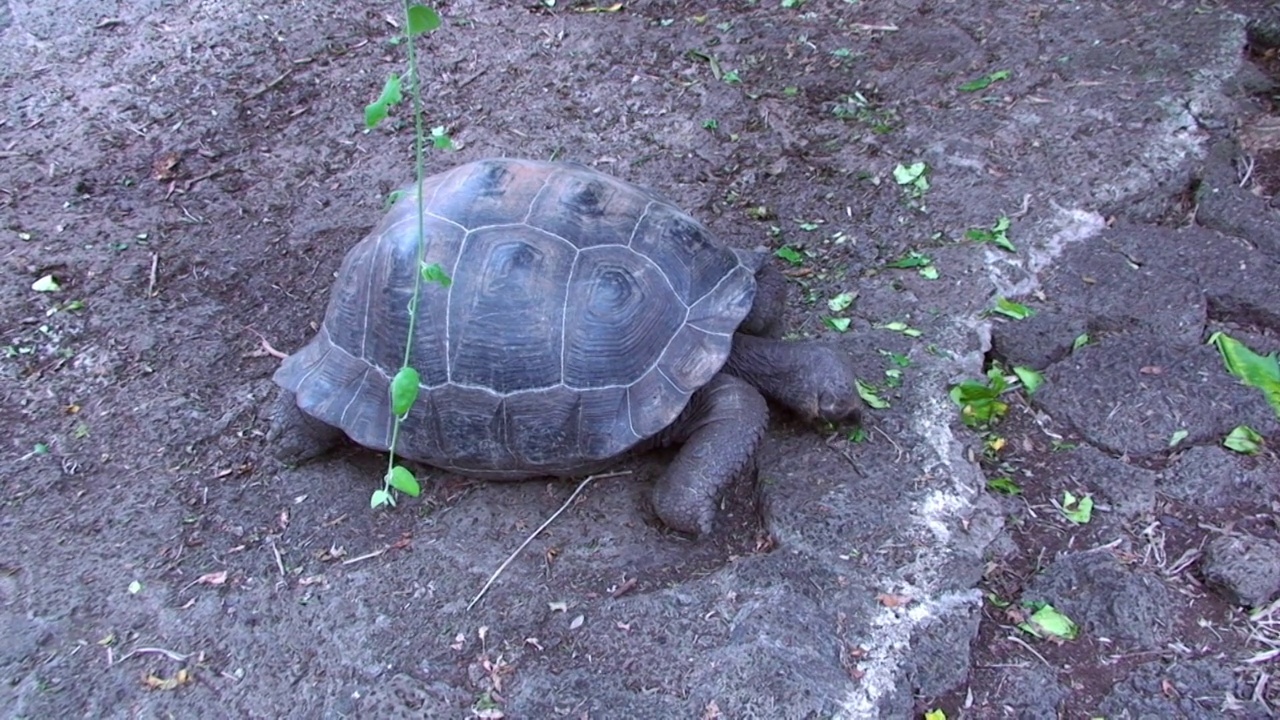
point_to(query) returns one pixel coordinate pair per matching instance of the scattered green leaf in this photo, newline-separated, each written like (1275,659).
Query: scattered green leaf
(1257,371)
(46,284)
(1081,340)
(1077,510)
(841,302)
(869,396)
(1004,486)
(935,715)
(1047,622)
(912,260)
(998,235)
(979,402)
(1009,308)
(901,327)
(1031,380)
(914,178)
(789,254)
(1244,439)
(1177,437)
(984,82)
(710,124)
(440,139)
(897,358)
(839,324)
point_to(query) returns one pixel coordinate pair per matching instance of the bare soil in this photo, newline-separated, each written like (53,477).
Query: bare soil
(191,174)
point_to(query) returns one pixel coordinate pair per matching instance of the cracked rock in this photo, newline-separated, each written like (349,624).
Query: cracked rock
(1244,568)
(1105,598)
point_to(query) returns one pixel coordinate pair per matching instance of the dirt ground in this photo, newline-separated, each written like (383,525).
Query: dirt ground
(190,175)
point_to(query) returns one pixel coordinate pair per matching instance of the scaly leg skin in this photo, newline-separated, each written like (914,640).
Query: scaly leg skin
(765,318)
(720,430)
(296,437)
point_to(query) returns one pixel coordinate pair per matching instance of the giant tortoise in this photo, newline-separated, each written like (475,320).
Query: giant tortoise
(587,317)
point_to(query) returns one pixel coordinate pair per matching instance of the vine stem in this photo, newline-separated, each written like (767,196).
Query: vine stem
(415,92)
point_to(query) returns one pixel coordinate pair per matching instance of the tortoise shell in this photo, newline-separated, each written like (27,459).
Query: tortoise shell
(582,314)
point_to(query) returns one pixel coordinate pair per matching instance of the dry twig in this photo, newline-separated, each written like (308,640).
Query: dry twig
(535,533)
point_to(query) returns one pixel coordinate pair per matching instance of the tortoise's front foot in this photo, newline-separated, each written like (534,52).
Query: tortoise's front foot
(720,430)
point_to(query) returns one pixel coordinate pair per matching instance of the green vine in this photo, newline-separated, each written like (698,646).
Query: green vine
(406,383)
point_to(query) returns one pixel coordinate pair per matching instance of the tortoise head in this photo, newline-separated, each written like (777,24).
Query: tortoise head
(814,379)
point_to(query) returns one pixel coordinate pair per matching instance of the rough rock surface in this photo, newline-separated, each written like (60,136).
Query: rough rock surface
(1246,568)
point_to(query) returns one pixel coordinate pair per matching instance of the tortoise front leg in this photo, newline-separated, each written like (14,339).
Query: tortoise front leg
(720,430)
(765,318)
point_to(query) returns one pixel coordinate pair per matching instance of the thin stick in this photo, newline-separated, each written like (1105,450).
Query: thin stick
(174,656)
(151,283)
(365,556)
(1029,649)
(535,534)
(271,85)
(279,562)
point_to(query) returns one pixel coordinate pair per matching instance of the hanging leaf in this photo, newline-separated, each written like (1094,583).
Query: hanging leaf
(380,498)
(401,479)
(422,20)
(376,111)
(404,390)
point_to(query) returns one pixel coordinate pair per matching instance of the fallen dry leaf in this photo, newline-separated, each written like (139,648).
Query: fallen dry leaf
(213,578)
(166,166)
(155,682)
(893,601)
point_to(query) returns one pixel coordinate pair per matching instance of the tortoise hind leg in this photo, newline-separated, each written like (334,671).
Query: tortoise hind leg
(720,429)
(295,436)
